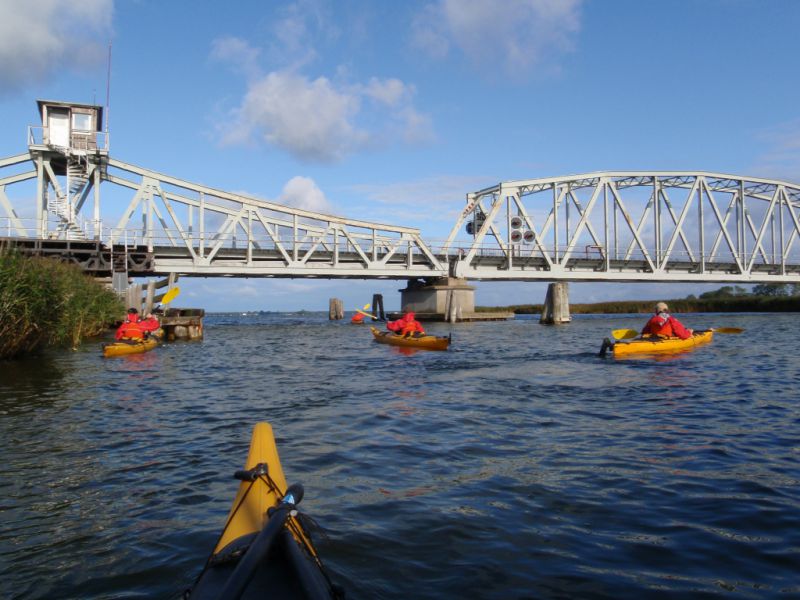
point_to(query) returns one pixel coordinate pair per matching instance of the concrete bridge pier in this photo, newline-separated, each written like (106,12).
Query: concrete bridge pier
(556,305)
(449,299)
(441,299)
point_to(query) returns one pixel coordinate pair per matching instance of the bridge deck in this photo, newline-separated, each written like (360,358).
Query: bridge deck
(100,260)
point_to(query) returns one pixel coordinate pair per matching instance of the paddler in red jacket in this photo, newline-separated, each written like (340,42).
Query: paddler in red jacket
(134,328)
(663,323)
(406,325)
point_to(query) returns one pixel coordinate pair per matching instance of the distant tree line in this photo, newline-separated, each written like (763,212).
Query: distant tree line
(766,297)
(765,290)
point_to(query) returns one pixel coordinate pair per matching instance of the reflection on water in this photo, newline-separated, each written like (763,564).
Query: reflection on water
(517,463)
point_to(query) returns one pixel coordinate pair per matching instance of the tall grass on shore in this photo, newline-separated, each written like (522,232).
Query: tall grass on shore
(45,302)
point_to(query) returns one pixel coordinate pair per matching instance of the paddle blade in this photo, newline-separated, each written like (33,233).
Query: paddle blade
(624,334)
(170,295)
(728,330)
(366,306)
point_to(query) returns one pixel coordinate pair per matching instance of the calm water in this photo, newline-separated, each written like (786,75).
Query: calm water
(518,464)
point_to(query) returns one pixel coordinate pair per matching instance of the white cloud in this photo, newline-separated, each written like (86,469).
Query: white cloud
(310,119)
(39,38)
(301,22)
(388,91)
(514,35)
(317,120)
(238,53)
(302,192)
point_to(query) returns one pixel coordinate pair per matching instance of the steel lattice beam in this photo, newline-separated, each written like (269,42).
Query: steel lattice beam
(631,226)
(606,226)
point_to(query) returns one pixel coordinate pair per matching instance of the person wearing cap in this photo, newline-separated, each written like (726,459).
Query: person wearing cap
(663,323)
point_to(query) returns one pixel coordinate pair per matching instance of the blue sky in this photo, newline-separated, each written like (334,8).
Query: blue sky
(393,111)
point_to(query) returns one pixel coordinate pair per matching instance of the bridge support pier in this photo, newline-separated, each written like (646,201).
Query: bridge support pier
(449,299)
(442,299)
(556,305)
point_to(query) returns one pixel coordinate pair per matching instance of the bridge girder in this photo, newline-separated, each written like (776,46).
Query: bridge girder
(605,226)
(206,224)
(631,226)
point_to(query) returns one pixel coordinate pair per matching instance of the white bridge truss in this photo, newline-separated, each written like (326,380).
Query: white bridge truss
(606,226)
(631,226)
(192,229)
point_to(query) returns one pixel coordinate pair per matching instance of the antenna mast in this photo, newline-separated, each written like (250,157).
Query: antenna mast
(108,90)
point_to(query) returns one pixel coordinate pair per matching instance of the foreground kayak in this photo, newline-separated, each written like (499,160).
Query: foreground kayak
(264,550)
(657,345)
(428,342)
(131,347)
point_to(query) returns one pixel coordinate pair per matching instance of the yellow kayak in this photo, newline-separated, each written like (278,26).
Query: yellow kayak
(428,342)
(264,551)
(129,347)
(657,345)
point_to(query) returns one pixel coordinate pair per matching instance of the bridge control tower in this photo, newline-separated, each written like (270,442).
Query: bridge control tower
(70,150)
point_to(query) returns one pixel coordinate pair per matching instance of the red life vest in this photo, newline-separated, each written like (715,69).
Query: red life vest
(130,330)
(406,325)
(666,325)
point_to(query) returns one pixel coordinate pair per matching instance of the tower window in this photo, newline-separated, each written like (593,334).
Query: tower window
(81,122)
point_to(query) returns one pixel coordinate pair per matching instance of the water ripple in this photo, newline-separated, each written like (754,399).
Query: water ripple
(518,464)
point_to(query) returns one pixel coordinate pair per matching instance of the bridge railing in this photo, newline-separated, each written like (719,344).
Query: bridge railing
(89,140)
(29,227)
(137,238)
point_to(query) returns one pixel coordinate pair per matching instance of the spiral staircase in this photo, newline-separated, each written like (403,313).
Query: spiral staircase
(62,204)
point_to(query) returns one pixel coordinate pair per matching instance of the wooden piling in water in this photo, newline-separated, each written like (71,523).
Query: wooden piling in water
(335,309)
(377,307)
(183,323)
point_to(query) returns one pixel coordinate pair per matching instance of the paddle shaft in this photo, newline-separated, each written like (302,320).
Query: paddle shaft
(249,563)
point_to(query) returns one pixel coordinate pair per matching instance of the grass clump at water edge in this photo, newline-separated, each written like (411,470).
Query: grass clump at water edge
(45,302)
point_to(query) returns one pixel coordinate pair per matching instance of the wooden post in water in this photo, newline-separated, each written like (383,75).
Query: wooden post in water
(133,297)
(377,307)
(151,293)
(335,309)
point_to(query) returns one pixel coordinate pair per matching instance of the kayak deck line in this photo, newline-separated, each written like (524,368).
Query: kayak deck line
(655,344)
(264,549)
(427,342)
(125,347)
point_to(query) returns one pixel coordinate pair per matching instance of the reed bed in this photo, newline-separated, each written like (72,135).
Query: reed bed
(45,302)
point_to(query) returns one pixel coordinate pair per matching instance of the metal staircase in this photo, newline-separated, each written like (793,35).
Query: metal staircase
(62,204)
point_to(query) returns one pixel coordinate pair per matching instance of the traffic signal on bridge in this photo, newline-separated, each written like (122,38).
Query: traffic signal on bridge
(518,231)
(474,226)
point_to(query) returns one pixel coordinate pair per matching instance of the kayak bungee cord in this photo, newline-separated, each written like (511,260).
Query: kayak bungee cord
(293,524)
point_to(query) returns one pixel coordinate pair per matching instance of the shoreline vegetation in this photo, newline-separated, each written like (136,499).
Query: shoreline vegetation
(763,298)
(44,302)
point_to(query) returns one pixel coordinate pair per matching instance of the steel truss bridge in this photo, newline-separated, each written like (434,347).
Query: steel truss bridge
(632,226)
(606,226)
